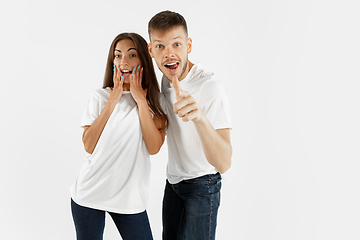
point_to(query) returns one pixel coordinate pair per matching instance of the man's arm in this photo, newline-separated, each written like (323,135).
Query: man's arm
(216,143)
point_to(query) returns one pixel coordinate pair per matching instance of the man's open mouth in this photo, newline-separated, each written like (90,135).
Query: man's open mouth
(172,66)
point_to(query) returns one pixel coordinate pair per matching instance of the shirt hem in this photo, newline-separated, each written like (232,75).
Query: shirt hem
(222,127)
(177,179)
(108,209)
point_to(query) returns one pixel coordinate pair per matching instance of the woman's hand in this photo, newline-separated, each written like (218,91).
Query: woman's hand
(152,127)
(92,133)
(117,91)
(137,92)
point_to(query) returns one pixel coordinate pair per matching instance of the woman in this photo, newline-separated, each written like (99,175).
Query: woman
(123,124)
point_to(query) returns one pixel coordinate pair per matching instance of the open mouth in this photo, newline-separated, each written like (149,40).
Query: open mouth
(126,73)
(172,66)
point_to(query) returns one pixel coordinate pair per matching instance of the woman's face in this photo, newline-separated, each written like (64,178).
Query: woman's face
(126,58)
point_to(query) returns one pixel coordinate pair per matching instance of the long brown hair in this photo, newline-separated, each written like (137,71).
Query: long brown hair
(149,80)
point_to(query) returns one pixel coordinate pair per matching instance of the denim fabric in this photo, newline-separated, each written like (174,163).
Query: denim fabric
(90,223)
(190,208)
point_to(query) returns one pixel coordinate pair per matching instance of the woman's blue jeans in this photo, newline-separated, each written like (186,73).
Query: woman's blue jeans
(90,224)
(190,208)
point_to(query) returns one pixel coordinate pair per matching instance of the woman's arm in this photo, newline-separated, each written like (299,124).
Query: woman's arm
(153,129)
(92,133)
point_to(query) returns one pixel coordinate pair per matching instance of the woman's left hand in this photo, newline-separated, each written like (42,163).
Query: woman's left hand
(137,92)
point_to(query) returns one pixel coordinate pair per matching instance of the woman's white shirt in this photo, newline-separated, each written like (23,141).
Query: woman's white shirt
(115,177)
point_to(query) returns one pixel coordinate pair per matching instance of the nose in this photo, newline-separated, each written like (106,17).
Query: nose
(124,62)
(169,53)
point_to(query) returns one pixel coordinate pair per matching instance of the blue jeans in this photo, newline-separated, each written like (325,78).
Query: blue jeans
(190,208)
(90,224)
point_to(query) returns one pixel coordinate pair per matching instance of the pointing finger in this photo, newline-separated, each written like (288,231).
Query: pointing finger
(176,84)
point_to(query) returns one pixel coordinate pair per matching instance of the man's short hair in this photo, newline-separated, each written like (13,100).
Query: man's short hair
(166,20)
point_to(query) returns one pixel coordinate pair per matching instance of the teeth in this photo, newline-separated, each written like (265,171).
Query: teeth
(170,64)
(126,71)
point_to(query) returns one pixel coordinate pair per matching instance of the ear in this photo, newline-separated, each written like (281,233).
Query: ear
(189,45)
(150,50)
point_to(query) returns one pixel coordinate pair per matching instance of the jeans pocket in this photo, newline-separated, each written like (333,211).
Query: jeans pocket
(215,186)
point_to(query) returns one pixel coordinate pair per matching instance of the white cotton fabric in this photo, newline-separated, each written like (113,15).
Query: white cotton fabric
(186,156)
(115,177)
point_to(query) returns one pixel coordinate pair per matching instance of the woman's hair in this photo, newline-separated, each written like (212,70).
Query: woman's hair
(149,80)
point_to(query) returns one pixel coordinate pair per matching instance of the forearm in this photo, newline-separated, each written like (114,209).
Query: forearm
(153,136)
(92,133)
(216,144)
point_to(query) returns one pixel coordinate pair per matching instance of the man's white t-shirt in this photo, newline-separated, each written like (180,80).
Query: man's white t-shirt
(115,177)
(186,156)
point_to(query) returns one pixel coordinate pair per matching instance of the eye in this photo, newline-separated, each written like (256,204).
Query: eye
(159,46)
(133,55)
(117,55)
(177,44)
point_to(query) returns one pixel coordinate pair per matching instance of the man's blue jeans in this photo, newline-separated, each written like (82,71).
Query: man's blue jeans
(190,208)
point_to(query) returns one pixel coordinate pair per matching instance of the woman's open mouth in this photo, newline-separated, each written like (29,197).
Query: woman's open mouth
(126,73)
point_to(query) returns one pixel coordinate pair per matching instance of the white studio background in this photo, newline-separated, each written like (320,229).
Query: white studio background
(290,69)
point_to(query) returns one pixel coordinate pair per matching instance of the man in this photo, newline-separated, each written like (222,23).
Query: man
(198,135)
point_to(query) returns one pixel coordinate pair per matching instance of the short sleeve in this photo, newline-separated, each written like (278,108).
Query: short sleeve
(92,111)
(215,105)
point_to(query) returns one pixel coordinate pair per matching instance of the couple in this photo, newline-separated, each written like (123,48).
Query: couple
(126,121)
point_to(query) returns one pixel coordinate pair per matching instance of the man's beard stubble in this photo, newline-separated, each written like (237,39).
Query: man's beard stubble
(184,68)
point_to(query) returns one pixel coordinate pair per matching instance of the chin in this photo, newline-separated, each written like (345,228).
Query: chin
(170,76)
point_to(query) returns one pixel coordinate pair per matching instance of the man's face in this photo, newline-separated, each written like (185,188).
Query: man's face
(170,50)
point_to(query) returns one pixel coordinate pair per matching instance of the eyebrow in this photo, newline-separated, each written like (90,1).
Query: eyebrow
(156,40)
(127,50)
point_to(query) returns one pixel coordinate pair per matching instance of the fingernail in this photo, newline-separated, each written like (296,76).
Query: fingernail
(107,88)
(131,75)
(122,77)
(134,68)
(114,68)
(139,67)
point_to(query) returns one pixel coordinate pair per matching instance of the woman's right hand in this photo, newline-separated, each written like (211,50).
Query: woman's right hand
(117,91)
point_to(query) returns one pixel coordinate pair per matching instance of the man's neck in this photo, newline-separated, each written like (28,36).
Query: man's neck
(187,70)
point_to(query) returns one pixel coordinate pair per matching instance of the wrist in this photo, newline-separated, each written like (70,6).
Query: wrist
(144,110)
(142,103)
(201,119)
(112,103)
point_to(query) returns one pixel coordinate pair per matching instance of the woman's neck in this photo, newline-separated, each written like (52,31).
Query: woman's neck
(126,86)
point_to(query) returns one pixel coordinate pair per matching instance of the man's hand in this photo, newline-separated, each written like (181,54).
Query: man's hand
(186,107)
